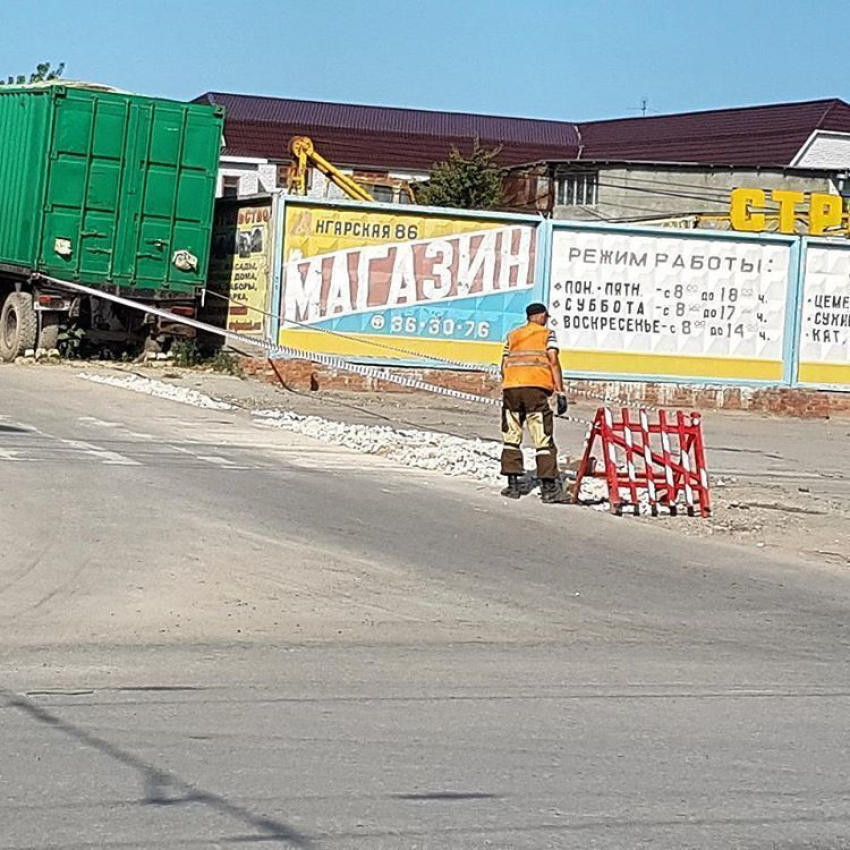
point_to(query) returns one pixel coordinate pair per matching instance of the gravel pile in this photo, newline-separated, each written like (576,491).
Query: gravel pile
(159,389)
(476,459)
(456,456)
(594,491)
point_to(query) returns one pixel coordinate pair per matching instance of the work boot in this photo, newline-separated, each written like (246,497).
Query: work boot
(512,491)
(550,491)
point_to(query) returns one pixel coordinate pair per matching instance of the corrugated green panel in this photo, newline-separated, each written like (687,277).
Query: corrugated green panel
(119,187)
(24,126)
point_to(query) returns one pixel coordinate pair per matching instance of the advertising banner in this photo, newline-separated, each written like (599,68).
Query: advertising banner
(239,267)
(648,305)
(400,286)
(825,326)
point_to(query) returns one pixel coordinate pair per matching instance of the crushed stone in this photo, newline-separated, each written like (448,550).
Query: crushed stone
(159,389)
(477,459)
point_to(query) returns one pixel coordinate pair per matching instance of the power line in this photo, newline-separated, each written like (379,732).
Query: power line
(689,196)
(706,196)
(661,193)
(676,185)
(656,213)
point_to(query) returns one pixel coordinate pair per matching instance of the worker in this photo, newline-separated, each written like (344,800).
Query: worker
(531,373)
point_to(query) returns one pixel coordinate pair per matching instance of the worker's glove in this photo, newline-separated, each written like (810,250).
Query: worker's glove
(561,403)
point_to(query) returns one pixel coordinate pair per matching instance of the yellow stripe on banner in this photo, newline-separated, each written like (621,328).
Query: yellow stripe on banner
(825,373)
(385,347)
(490,353)
(673,365)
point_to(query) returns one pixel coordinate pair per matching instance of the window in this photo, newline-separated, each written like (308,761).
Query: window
(580,188)
(230,185)
(383,194)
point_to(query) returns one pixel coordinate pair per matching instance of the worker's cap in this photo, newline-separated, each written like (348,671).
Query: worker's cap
(535,309)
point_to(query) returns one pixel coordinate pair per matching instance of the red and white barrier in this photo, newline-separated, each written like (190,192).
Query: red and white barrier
(656,464)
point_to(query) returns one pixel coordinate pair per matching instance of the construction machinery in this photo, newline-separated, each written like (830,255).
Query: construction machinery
(379,188)
(305,154)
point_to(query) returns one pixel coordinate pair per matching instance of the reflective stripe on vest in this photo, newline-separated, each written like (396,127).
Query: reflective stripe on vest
(526,364)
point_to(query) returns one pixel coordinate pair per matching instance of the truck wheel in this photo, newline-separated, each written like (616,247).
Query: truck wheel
(18,326)
(48,338)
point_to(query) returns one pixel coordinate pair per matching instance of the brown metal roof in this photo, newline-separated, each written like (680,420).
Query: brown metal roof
(381,137)
(754,135)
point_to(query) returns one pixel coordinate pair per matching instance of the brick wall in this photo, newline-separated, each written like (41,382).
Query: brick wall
(305,375)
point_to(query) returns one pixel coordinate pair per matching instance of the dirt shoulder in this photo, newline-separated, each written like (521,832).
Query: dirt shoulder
(777,483)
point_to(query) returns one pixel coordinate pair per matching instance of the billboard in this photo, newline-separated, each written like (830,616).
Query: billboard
(646,305)
(239,267)
(825,321)
(391,284)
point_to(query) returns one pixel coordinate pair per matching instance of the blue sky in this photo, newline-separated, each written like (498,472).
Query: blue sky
(573,59)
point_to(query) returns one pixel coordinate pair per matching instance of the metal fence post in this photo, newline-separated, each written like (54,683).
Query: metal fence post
(278,253)
(544,262)
(794,313)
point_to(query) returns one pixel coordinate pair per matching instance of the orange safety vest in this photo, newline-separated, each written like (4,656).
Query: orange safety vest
(526,363)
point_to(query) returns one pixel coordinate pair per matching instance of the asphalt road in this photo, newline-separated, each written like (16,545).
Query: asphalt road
(214,634)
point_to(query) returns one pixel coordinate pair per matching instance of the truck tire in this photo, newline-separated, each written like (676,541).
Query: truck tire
(18,326)
(48,337)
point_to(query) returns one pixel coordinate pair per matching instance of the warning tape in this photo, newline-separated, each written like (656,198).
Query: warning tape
(279,352)
(609,399)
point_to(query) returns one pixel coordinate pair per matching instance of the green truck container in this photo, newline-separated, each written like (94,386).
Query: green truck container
(104,188)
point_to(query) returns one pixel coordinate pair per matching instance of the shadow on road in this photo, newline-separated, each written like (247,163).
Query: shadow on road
(161,787)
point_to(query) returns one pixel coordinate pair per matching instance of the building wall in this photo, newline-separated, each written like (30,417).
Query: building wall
(641,193)
(825,149)
(528,189)
(310,376)
(255,176)
(386,186)
(252,176)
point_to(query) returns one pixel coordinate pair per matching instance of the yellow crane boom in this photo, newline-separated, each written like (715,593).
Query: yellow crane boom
(304,152)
